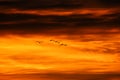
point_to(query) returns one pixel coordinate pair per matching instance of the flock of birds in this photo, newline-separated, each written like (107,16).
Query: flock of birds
(61,44)
(54,41)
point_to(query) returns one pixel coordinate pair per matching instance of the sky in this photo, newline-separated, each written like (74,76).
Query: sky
(59,40)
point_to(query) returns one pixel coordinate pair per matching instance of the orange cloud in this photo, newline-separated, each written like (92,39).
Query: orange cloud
(22,54)
(62,12)
(59,40)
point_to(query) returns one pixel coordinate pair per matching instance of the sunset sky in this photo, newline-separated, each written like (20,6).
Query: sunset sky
(59,39)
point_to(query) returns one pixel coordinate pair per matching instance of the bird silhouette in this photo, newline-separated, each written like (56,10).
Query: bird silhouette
(63,44)
(39,42)
(51,40)
(58,42)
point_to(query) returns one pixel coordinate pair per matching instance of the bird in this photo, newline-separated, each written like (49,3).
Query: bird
(57,42)
(61,44)
(51,40)
(65,44)
(39,42)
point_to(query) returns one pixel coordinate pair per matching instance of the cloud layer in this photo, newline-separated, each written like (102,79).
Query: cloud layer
(90,28)
(58,17)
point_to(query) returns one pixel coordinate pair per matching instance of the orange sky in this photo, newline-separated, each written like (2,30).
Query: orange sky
(25,55)
(59,40)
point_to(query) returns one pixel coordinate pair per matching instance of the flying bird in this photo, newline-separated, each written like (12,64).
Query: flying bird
(57,42)
(39,42)
(51,40)
(65,44)
(61,44)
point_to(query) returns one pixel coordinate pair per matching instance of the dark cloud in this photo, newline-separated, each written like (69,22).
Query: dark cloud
(31,23)
(110,3)
(41,4)
(75,19)
(59,4)
(16,17)
(62,76)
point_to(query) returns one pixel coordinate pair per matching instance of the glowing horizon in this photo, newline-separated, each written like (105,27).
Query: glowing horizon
(26,55)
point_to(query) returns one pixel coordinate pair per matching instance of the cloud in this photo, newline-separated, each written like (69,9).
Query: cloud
(65,22)
(110,3)
(62,76)
(59,4)
(90,27)
(41,4)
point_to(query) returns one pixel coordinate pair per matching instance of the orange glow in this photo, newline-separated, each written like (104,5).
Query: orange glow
(59,40)
(24,54)
(62,12)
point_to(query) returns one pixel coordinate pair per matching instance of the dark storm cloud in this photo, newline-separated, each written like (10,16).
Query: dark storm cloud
(67,23)
(41,4)
(59,4)
(16,17)
(63,76)
(75,19)
(27,22)
(110,3)
(56,24)
(113,19)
